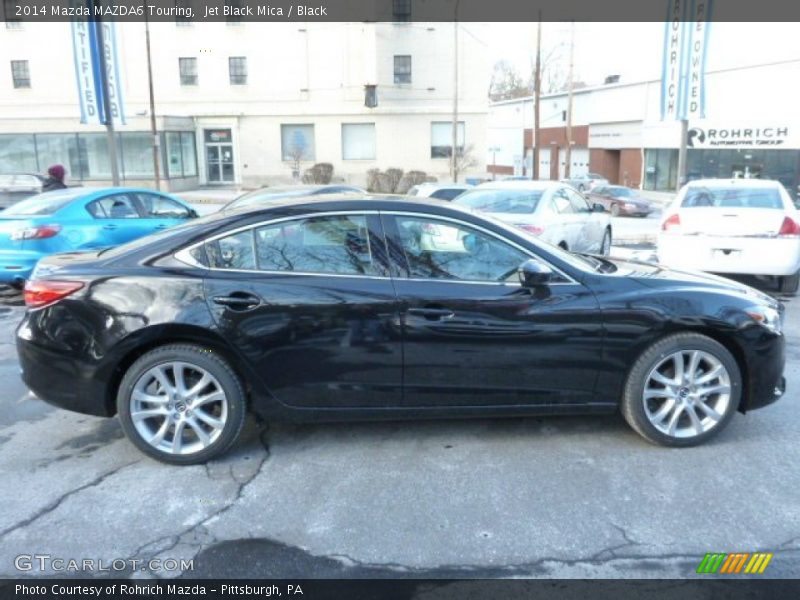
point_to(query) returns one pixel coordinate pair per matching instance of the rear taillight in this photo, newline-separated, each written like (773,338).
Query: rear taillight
(41,292)
(673,222)
(789,227)
(41,232)
(534,229)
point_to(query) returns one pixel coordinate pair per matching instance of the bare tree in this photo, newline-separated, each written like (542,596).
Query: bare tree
(298,151)
(465,159)
(506,82)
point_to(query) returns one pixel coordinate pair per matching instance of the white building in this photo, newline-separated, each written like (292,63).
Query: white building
(752,129)
(237,103)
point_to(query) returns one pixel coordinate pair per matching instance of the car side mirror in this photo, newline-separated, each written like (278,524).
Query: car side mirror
(597,207)
(534,274)
(192,214)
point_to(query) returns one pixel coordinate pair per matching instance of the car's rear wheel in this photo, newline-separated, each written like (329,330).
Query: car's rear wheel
(181,404)
(788,284)
(682,390)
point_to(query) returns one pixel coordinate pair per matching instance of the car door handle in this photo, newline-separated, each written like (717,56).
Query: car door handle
(238,301)
(432,314)
(160,227)
(109,226)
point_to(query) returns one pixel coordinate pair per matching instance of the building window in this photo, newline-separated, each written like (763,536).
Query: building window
(401,10)
(234,12)
(358,141)
(442,139)
(21,73)
(188,70)
(182,8)
(402,68)
(10,15)
(180,154)
(297,142)
(237,70)
(17,153)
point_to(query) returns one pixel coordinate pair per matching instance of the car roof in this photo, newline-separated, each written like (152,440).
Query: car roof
(740,182)
(516,184)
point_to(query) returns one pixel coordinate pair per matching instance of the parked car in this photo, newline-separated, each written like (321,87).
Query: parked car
(77,219)
(277,193)
(747,226)
(585,182)
(440,191)
(620,200)
(18,186)
(330,309)
(552,211)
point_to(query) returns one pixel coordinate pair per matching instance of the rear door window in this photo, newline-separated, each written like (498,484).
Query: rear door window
(115,206)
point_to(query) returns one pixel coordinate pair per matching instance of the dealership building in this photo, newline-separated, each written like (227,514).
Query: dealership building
(751,129)
(247,104)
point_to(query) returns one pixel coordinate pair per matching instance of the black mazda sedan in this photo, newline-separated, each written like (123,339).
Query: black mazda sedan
(366,308)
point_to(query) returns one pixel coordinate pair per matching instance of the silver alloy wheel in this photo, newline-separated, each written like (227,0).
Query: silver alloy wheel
(687,393)
(178,408)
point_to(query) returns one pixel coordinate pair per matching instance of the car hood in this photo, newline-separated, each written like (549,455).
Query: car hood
(659,276)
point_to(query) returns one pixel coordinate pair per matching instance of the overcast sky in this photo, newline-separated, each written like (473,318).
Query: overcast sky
(634,50)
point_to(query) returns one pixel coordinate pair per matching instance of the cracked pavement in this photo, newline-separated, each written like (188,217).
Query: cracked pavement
(550,497)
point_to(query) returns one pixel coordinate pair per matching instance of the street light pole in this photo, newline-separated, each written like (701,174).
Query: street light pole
(153,128)
(568,153)
(537,91)
(454,147)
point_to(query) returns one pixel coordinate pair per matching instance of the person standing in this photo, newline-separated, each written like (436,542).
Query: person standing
(55,179)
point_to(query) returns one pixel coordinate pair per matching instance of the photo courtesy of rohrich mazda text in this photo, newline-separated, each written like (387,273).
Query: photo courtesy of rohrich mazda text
(392,298)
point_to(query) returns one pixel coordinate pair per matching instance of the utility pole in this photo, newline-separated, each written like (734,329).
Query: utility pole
(682,153)
(537,92)
(568,153)
(153,129)
(454,148)
(112,139)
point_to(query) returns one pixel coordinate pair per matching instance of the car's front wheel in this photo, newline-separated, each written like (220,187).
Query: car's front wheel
(682,390)
(181,404)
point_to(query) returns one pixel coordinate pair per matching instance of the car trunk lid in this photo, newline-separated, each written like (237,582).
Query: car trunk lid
(731,222)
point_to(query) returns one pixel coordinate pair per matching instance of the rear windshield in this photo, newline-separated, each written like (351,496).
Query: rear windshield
(732,197)
(501,201)
(42,204)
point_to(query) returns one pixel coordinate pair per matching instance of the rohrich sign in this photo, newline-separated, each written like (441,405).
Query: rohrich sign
(763,136)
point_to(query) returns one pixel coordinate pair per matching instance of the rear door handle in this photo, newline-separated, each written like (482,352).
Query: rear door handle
(109,226)
(160,227)
(432,314)
(238,301)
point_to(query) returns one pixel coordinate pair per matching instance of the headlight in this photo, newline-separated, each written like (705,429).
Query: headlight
(766,316)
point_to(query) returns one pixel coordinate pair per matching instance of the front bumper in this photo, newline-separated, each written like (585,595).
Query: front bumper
(58,378)
(766,360)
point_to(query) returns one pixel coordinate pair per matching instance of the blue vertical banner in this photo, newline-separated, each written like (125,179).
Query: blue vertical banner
(694,105)
(684,62)
(89,55)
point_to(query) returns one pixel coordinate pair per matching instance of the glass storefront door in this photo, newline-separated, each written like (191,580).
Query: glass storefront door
(219,156)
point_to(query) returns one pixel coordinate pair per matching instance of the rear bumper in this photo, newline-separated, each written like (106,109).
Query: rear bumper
(58,378)
(17,265)
(747,256)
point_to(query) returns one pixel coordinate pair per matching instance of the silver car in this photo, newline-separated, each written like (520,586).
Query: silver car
(585,182)
(552,211)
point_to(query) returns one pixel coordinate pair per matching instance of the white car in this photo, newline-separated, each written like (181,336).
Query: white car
(746,226)
(553,211)
(441,191)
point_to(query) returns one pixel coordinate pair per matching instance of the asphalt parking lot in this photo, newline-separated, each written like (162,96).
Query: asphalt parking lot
(554,497)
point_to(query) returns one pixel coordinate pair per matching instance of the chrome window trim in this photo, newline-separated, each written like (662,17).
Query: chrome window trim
(184,255)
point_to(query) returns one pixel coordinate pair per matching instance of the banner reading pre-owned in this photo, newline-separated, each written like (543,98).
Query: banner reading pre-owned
(88,57)
(684,61)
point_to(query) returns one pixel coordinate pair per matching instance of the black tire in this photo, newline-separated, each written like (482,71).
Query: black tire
(605,245)
(788,284)
(633,408)
(205,359)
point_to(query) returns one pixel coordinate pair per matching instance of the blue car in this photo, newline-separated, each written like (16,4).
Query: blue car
(77,219)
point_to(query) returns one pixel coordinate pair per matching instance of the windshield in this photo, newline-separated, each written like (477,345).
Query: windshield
(42,204)
(518,202)
(732,197)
